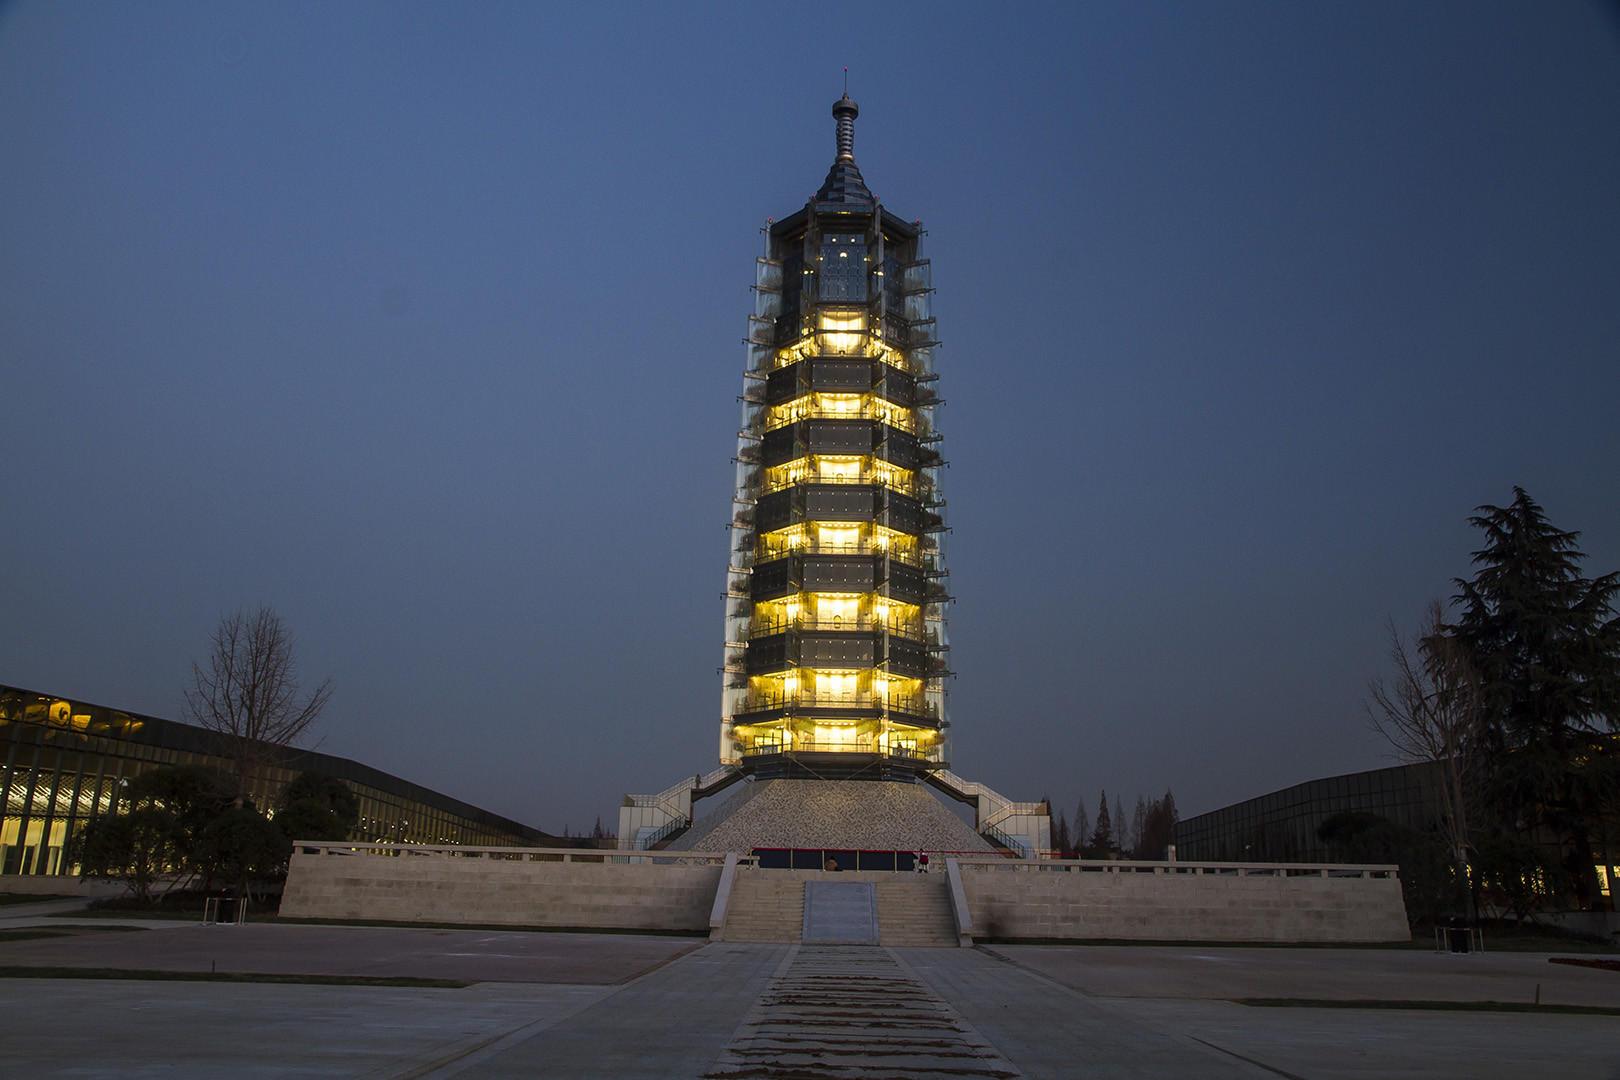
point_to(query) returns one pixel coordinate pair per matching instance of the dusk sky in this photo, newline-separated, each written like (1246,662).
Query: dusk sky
(422,323)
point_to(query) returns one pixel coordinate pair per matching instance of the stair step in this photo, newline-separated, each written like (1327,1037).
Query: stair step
(768,905)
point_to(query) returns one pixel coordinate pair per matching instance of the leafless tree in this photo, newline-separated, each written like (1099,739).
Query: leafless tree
(1430,710)
(247,693)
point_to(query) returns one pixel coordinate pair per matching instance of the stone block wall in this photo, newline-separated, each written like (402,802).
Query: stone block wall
(1016,901)
(1007,899)
(450,889)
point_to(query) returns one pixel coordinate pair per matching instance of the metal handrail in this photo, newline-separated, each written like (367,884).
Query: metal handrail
(900,553)
(1049,862)
(343,848)
(764,628)
(888,412)
(866,745)
(910,706)
(908,485)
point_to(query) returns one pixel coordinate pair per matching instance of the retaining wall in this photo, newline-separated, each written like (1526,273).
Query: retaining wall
(1006,898)
(514,889)
(1182,902)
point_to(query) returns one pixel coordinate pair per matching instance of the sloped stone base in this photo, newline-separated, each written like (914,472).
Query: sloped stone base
(843,815)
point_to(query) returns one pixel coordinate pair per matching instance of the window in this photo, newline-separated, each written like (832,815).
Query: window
(843,268)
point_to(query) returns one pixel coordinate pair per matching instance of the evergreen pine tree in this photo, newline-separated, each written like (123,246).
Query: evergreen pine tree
(1546,644)
(1102,838)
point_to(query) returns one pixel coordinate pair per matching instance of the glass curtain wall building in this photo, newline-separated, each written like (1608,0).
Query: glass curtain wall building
(65,762)
(836,646)
(1281,826)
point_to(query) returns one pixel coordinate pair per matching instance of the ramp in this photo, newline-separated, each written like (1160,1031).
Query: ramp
(840,913)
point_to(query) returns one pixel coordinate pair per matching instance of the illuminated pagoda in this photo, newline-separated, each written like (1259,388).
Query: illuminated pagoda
(836,648)
(836,655)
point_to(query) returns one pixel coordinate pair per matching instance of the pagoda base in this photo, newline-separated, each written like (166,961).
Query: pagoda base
(817,765)
(843,815)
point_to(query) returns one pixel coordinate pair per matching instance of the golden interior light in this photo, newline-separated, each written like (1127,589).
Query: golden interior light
(844,404)
(836,607)
(838,469)
(842,320)
(838,535)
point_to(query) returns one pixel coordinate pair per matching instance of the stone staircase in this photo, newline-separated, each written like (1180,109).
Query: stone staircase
(768,905)
(915,909)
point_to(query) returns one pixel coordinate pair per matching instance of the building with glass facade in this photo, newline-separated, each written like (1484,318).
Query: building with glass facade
(836,647)
(66,761)
(1281,826)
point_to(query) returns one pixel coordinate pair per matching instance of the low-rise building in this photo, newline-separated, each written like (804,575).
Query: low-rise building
(67,761)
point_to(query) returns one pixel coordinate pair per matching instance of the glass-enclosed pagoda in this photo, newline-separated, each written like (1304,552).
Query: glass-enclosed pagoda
(835,661)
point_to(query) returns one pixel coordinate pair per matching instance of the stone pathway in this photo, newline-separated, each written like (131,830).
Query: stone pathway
(844,1012)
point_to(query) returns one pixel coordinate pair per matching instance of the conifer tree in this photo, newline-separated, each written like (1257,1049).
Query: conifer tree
(1102,838)
(1546,644)
(1060,835)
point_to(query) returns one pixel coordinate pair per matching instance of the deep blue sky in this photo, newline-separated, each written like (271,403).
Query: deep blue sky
(422,323)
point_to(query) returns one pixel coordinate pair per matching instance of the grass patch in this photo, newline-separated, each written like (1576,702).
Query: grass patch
(1427,1006)
(9,972)
(1576,961)
(170,914)
(182,904)
(69,930)
(704,933)
(33,898)
(1499,937)
(1175,944)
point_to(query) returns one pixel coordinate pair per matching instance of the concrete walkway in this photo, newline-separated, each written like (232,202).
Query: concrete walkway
(622,1006)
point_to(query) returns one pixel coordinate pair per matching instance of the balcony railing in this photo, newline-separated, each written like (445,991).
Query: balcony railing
(780,549)
(899,416)
(904,481)
(761,627)
(866,745)
(903,704)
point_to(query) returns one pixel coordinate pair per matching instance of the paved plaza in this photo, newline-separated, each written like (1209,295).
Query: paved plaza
(638,1006)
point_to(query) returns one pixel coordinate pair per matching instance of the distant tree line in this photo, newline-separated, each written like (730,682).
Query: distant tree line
(1511,693)
(1146,834)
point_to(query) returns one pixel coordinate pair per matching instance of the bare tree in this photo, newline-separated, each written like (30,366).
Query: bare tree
(247,693)
(1431,710)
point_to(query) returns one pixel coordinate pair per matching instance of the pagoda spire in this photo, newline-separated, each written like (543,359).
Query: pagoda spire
(844,183)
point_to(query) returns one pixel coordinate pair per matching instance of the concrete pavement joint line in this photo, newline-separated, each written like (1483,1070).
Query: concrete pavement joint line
(1005,959)
(960,1020)
(611,1041)
(460,1060)
(468,1056)
(854,1011)
(1192,1045)
(457,1061)
(1251,1061)
(756,1011)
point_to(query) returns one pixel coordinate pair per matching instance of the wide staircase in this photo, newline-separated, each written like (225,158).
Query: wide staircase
(915,909)
(768,905)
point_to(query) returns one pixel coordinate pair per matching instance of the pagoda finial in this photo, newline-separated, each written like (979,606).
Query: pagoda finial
(846,111)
